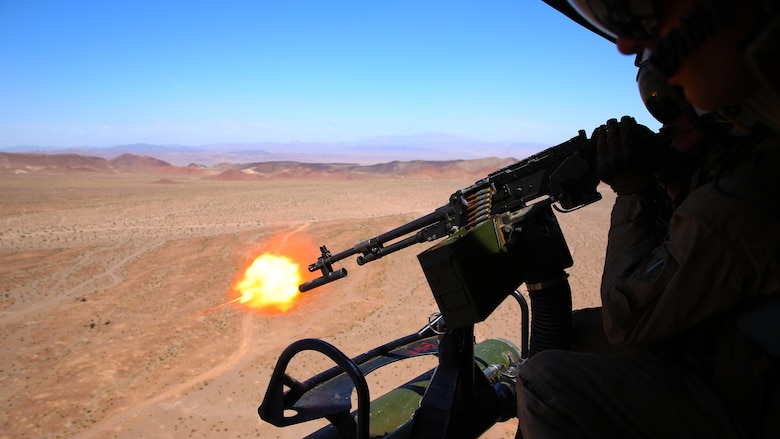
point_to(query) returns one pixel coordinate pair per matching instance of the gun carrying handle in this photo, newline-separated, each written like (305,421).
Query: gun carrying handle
(322,280)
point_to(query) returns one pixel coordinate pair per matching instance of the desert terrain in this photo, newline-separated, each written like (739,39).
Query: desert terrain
(104,278)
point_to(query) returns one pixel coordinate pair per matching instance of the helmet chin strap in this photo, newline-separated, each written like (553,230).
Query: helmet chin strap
(696,26)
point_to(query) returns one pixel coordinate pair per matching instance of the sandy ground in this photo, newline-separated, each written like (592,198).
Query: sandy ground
(101,277)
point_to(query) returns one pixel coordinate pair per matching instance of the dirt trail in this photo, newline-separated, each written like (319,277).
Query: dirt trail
(241,356)
(247,335)
(109,277)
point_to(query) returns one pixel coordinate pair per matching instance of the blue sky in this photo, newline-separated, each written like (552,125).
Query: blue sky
(103,73)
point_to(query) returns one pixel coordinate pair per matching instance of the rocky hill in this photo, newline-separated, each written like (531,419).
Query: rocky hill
(132,161)
(11,163)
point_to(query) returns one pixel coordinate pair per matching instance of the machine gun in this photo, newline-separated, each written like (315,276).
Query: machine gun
(499,233)
(561,173)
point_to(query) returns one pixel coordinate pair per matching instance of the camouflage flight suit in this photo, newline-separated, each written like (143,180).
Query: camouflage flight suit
(673,307)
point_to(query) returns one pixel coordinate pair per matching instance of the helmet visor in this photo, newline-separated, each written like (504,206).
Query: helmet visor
(636,19)
(664,101)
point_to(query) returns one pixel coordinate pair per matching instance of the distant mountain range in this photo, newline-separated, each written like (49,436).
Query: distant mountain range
(126,163)
(429,147)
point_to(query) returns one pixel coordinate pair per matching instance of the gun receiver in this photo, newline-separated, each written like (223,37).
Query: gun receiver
(562,175)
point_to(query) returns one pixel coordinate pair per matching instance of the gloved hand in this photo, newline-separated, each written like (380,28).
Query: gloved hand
(626,154)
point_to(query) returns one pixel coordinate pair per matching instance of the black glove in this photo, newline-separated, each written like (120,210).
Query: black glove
(626,155)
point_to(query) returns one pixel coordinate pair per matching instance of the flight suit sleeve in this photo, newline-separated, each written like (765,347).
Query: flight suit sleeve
(653,288)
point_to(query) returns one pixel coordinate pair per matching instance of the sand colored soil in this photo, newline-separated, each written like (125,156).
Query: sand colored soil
(102,276)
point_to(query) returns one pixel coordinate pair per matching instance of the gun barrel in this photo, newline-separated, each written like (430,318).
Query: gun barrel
(322,280)
(412,226)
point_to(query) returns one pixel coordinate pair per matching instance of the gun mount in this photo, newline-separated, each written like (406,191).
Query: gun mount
(485,371)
